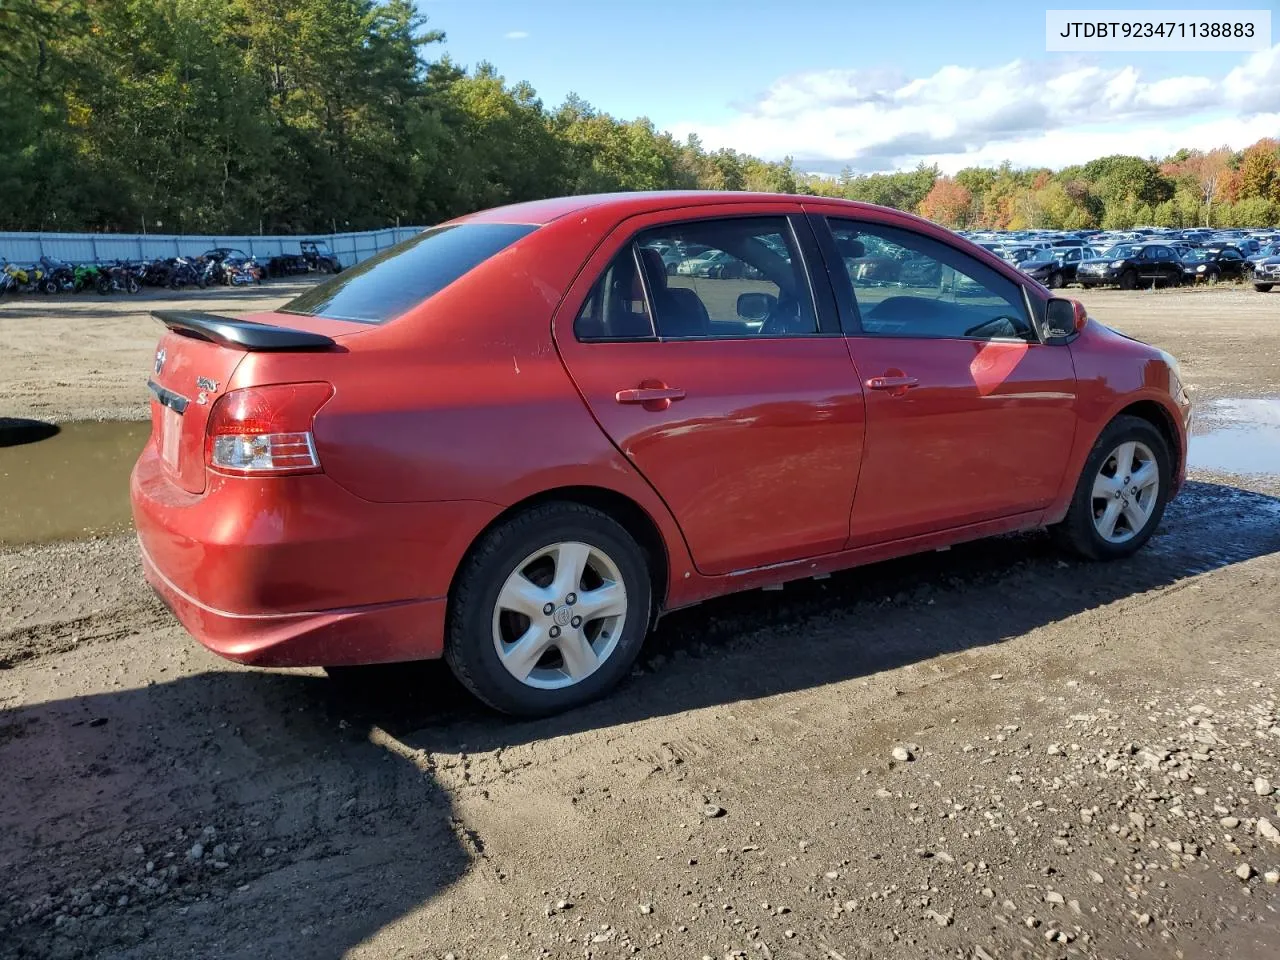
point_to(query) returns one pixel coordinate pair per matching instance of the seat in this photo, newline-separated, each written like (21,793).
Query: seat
(680,311)
(622,292)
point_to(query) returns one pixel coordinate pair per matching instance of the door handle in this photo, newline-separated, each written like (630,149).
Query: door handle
(649,394)
(892,383)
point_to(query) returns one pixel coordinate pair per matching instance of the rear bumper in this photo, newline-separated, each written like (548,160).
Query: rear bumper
(297,571)
(383,633)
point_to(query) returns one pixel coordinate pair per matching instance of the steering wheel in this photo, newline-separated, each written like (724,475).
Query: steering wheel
(995,327)
(785,318)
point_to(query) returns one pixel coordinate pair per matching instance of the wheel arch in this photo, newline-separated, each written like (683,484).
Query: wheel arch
(618,506)
(1160,418)
(1147,408)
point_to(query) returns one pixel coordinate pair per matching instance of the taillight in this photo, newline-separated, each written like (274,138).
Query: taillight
(266,430)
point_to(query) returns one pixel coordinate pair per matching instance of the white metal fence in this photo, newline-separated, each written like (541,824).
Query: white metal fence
(349,248)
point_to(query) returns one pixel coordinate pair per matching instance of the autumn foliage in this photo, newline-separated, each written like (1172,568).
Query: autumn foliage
(227,116)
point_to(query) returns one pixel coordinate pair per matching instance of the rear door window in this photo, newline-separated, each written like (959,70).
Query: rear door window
(748,280)
(401,277)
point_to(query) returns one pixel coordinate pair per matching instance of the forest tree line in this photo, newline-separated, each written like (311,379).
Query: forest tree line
(284,116)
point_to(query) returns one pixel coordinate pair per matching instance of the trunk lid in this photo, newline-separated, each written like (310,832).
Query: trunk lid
(196,359)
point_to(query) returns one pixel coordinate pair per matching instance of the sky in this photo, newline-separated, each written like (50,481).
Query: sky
(875,85)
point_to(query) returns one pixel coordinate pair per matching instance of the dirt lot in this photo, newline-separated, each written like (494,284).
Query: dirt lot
(86,357)
(1092,751)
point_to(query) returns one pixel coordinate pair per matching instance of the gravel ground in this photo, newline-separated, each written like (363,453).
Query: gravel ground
(86,357)
(993,752)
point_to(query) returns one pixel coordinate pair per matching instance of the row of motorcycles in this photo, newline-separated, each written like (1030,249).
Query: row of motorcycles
(49,275)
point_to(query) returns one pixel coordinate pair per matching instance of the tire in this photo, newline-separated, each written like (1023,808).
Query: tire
(1055,280)
(1213,277)
(478,624)
(1263,287)
(103,285)
(48,286)
(1079,530)
(1129,280)
(131,285)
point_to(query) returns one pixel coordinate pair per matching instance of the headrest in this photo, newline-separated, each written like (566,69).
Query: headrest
(849,248)
(654,267)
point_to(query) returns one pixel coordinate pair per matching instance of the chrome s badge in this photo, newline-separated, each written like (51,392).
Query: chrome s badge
(205,386)
(160,358)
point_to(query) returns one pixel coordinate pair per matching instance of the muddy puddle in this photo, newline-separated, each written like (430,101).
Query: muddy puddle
(72,484)
(1238,436)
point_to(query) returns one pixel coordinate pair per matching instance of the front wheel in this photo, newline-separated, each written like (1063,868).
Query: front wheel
(1055,280)
(1129,280)
(549,611)
(1122,491)
(1263,287)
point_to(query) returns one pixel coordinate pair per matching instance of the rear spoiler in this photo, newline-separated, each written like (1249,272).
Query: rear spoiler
(244,334)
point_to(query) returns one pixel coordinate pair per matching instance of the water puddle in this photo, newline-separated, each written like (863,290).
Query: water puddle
(1240,436)
(72,484)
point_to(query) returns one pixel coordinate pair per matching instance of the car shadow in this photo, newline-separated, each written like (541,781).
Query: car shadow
(324,795)
(859,622)
(310,837)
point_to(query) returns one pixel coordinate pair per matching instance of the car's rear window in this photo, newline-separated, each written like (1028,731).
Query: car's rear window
(399,278)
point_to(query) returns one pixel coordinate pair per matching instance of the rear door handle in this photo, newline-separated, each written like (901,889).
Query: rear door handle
(649,394)
(892,383)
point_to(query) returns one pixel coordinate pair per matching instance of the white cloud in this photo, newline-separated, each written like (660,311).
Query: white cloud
(1050,113)
(516,35)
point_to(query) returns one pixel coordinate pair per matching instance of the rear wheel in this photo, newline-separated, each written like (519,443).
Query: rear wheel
(549,611)
(1122,491)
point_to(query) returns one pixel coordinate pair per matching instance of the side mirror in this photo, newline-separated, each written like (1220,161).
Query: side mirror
(756,307)
(1064,316)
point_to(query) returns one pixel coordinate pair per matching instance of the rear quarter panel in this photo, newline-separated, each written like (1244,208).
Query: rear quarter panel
(465,398)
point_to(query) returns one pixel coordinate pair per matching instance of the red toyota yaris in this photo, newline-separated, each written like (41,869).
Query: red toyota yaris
(517,438)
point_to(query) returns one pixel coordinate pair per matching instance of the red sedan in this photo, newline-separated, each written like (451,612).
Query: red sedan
(519,437)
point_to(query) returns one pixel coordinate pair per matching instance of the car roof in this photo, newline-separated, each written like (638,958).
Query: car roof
(623,205)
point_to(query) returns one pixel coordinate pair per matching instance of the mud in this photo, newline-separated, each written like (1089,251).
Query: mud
(73,483)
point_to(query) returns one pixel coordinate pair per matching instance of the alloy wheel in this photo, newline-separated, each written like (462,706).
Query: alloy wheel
(1125,492)
(559,615)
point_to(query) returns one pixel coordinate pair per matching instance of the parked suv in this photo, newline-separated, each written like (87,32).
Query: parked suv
(1057,267)
(1211,264)
(1266,273)
(1130,265)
